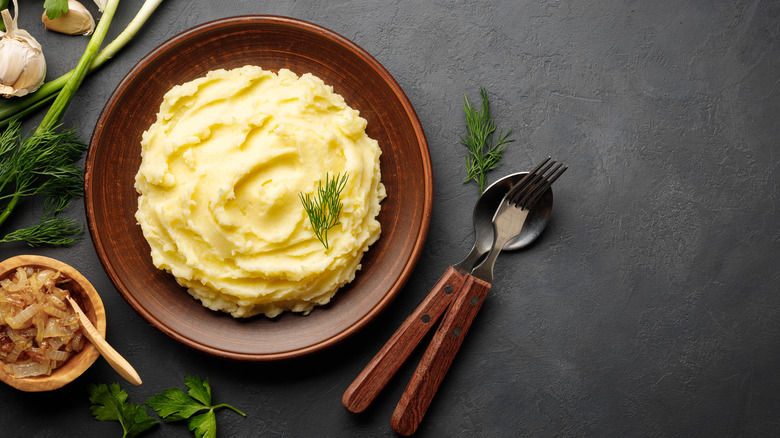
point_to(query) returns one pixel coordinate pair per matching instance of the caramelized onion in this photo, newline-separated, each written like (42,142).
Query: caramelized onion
(38,330)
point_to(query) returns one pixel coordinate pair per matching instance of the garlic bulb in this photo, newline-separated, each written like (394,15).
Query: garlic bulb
(22,65)
(77,21)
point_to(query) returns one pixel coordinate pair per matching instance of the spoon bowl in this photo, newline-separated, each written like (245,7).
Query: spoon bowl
(87,298)
(486,206)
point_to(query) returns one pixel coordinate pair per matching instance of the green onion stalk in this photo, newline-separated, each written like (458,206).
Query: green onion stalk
(45,163)
(16,108)
(3,5)
(63,99)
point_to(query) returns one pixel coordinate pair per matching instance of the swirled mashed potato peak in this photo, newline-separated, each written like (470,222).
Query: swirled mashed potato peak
(219,183)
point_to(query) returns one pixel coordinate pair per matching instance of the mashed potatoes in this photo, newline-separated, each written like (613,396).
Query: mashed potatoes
(219,182)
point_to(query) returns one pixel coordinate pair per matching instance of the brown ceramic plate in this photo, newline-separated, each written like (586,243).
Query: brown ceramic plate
(272,43)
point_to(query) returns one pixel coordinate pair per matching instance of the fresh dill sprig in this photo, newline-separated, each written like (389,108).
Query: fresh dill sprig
(325,206)
(46,164)
(483,155)
(51,231)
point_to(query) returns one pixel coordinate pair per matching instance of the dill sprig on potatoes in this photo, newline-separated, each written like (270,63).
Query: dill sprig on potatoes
(325,206)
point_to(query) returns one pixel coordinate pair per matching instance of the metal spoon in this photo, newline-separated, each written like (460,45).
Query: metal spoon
(486,206)
(375,376)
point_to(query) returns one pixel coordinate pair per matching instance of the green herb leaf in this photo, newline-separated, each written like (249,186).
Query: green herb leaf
(110,404)
(204,425)
(198,389)
(139,419)
(175,405)
(106,402)
(55,8)
(324,207)
(483,156)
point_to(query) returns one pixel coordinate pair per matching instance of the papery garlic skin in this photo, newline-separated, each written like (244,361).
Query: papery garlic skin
(22,68)
(22,64)
(77,21)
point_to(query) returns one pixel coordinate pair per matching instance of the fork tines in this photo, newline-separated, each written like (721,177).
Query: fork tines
(535,183)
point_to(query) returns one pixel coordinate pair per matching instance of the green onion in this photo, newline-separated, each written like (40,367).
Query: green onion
(13,108)
(63,99)
(3,5)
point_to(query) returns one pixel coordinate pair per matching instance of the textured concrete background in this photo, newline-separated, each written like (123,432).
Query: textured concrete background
(650,305)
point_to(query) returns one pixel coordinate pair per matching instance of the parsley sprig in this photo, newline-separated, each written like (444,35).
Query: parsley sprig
(324,207)
(109,403)
(175,405)
(483,155)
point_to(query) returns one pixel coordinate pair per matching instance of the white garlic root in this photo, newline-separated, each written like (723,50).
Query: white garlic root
(22,65)
(77,21)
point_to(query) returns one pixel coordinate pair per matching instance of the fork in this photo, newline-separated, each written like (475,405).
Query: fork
(507,222)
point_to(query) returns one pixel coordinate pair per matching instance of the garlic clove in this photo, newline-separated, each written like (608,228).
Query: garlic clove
(101,4)
(77,21)
(22,64)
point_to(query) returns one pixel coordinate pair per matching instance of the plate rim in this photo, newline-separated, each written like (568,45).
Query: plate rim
(262,19)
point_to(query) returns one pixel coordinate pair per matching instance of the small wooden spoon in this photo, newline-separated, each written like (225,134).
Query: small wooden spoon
(111,356)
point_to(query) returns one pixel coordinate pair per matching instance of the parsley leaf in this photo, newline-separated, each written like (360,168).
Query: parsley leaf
(110,404)
(198,389)
(204,425)
(55,8)
(175,405)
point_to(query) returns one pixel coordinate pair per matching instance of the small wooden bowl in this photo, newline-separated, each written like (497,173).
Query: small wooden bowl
(87,297)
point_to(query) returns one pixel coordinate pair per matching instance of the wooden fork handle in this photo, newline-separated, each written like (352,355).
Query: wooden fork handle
(438,357)
(374,377)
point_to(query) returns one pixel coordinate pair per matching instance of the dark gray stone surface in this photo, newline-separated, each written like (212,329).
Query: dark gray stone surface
(650,305)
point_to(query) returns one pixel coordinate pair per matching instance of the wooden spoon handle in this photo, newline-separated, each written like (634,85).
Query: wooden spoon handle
(113,358)
(374,377)
(438,357)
